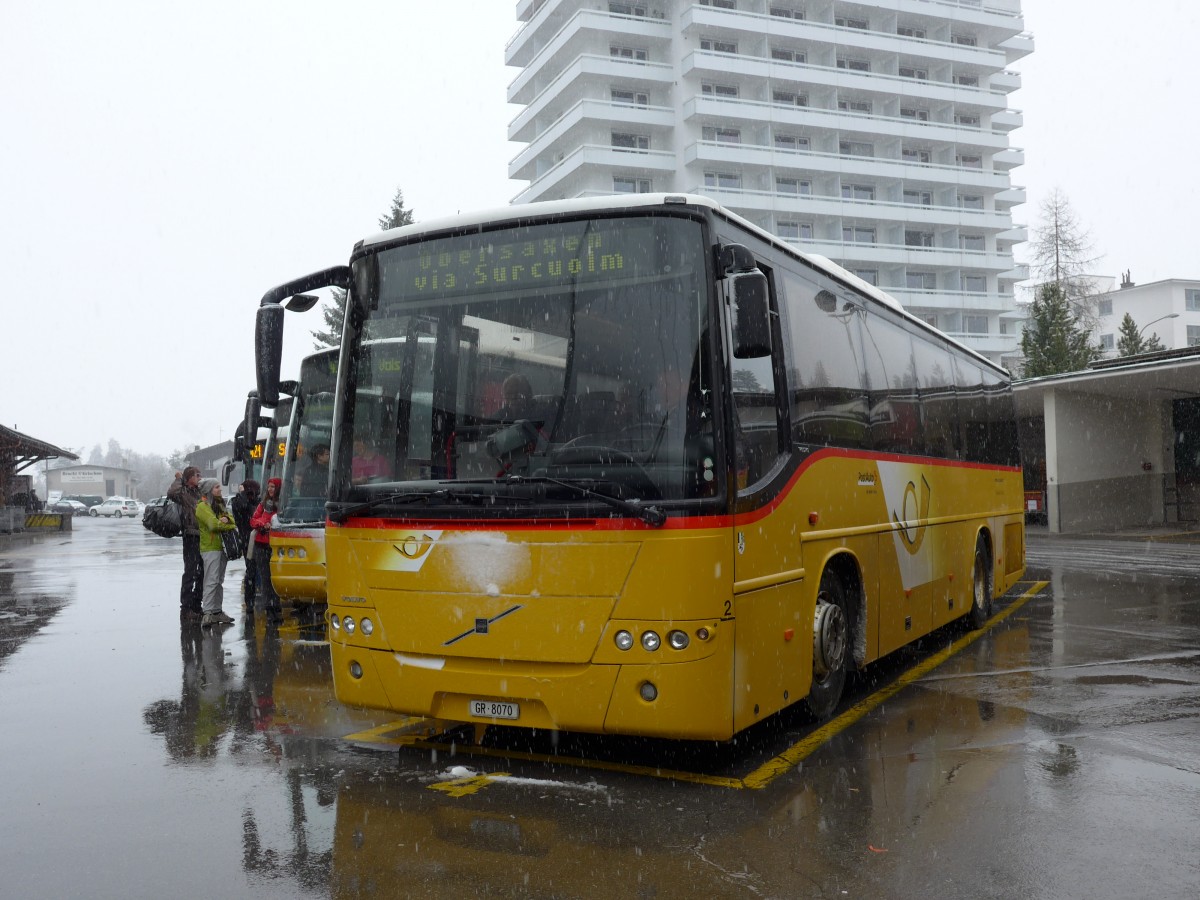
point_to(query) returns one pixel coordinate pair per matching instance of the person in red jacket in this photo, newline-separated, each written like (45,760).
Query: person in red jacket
(261,522)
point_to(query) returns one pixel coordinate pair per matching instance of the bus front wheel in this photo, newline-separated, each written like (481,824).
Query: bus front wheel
(831,647)
(981,585)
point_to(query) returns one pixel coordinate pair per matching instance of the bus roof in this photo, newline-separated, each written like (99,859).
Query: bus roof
(550,208)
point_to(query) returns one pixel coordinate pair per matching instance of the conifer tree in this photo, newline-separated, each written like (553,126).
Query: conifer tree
(1055,340)
(1131,341)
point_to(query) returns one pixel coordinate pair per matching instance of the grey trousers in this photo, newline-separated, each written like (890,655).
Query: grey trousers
(214,580)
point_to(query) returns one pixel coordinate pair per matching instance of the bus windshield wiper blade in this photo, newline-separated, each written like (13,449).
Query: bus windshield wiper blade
(651,515)
(427,496)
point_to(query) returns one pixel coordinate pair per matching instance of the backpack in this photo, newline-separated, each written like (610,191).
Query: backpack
(163,520)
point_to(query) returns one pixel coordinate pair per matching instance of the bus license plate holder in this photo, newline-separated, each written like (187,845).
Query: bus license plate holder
(495,709)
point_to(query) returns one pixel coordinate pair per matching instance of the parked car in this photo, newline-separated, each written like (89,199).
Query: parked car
(116,506)
(68,507)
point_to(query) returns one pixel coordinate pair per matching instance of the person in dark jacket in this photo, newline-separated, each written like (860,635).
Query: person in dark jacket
(185,491)
(244,503)
(261,520)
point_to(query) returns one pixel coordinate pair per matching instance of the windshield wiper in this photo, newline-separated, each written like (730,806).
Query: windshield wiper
(427,496)
(651,515)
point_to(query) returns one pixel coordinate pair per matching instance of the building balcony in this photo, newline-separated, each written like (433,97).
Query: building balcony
(580,34)
(587,67)
(1017,234)
(1007,199)
(547,174)
(1007,120)
(586,118)
(1017,47)
(719,110)
(1008,159)
(870,167)
(1005,81)
(715,64)
(855,255)
(953,301)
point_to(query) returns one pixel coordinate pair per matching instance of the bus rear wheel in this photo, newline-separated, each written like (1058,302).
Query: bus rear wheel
(981,586)
(831,647)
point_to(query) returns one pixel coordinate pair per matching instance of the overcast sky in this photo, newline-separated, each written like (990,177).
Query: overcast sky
(163,165)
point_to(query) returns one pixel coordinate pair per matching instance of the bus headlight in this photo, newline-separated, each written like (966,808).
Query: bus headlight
(623,639)
(335,622)
(678,640)
(650,640)
(348,624)
(367,626)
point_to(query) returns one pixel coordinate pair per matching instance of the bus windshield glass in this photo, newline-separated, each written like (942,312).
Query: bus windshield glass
(536,366)
(306,467)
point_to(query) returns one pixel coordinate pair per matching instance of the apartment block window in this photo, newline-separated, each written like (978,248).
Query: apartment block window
(629,98)
(912,112)
(972,242)
(1191,300)
(920,281)
(1107,342)
(856,148)
(975,324)
(916,155)
(970,160)
(627,184)
(846,22)
(966,40)
(917,198)
(970,201)
(911,31)
(786,12)
(721,135)
(857,106)
(717,46)
(1193,335)
(795,231)
(966,120)
(787,54)
(975,284)
(627,9)
(858,192)
(635,53)
(790,142)
(720,4)
(793,186)
(1104,307)
(918,238)
(720,90)
(625,141)
(858,234)
(789,98)
(870,276)
(966,80)
(729,180)
(912,72)
(854,65)
(930,319)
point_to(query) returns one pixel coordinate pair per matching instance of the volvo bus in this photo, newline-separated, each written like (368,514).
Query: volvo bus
(653,471)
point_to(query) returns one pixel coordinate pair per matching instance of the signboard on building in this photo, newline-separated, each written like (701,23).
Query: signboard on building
(81,476)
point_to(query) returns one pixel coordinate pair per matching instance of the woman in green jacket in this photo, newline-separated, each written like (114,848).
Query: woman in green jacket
(212,517)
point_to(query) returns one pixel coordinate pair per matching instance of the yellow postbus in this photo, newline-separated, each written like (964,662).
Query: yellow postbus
(654,471)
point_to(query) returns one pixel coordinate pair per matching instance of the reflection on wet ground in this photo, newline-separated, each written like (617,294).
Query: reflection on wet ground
(1027,764)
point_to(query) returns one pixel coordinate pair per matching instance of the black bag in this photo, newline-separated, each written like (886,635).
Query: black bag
(231,544)
(164,520)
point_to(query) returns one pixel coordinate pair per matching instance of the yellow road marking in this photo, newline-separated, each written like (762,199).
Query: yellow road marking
(413,732)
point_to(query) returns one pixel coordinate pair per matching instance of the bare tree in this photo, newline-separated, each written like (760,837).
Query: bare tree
(1062,254)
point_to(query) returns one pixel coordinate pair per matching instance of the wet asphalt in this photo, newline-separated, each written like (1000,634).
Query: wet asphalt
(1057,754)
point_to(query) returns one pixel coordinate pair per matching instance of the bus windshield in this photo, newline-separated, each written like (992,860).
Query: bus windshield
(306,466)
(547,363)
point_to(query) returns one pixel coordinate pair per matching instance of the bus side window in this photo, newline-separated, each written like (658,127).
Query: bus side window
(756,409)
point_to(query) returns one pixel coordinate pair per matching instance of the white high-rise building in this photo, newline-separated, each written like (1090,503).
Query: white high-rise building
(874,133)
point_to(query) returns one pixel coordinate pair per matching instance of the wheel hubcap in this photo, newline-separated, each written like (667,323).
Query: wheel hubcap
(831,637)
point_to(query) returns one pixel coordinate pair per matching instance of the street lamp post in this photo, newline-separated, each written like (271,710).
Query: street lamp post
(1152,321)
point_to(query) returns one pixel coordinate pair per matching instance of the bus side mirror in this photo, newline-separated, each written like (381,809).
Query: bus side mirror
(751,315)
(250,421)
(268,353)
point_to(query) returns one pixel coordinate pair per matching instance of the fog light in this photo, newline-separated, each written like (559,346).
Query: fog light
(623,640)
(648,691)
(678,640)
(651,640)
(355,670)
(336,621)
(348,624)
(301,553)
(367,626)
(291,552)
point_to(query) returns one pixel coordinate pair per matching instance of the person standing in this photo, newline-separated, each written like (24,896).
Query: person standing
(314,481)
(244,503)
(261,521)
(212,517)
(185,491)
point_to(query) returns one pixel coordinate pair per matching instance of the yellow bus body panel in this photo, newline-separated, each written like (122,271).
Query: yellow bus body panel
(298,564)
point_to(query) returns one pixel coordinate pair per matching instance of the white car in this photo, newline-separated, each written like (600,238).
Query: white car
(115,506)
